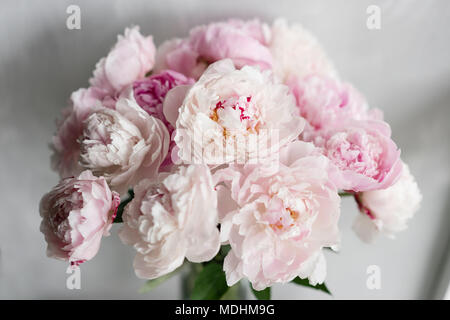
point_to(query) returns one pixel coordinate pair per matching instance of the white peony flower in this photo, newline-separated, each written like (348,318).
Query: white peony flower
(232,115)
(296,52)
(387,210)
(173,218)
(123,145)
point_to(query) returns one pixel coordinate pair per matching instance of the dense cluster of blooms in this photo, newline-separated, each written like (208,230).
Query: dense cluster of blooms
(240,134)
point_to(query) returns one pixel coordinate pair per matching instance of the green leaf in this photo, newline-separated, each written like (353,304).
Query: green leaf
(210,283)
(261,295)
(150,284)
(233,293)
(305,283)
(220,257)
(122,205)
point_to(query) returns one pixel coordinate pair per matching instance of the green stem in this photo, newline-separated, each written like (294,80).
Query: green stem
(345,194)
(122,206)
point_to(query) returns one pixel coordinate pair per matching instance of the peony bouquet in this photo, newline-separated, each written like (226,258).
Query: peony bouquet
(227,151)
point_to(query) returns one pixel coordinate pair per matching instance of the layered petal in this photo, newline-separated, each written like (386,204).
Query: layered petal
(124,145)
(75,215)
(285,215)
(244,42)
(232,115)
(296,52)
(129,60)
(387,211)
(171,219)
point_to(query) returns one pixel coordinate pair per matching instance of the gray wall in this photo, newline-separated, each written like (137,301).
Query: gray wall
(403,69)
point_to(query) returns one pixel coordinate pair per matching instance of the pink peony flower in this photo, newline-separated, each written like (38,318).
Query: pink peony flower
(286,214)
(232,115)
(129,60)
(325,102)
(123,145)
(75,215)
(172,219)
(363,154)
(150,92)
(387,210)
(244,42)
(296,52)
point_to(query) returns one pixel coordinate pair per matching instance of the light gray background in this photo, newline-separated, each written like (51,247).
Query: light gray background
(403,69)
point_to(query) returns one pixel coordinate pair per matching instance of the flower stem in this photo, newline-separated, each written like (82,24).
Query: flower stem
(345,194)
(122,205)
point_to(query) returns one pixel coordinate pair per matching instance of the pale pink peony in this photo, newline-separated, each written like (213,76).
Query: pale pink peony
(65,145)
(172,219)
(244,42)
(75,215)
(131,58)
(286,214)
(363,154)
(123,145)
(325,102)
(387,211)
(232,115)
(296,52)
